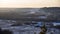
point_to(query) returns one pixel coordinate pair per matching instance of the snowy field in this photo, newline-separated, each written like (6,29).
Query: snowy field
(23,29)
(26,29)
(29,30)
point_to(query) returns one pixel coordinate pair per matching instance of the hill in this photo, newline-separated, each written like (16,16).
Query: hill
(35,14)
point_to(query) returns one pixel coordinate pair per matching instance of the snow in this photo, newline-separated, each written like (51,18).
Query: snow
(26,29)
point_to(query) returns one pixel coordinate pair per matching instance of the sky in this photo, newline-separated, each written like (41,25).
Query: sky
(29,3)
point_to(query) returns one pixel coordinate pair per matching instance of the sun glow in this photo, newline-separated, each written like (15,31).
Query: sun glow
(4,1)
(7,1)
(29,3)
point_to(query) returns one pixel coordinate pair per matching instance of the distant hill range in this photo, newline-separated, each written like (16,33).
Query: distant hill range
(35,14)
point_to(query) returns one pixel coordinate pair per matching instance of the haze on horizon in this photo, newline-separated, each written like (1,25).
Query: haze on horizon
(29,3)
